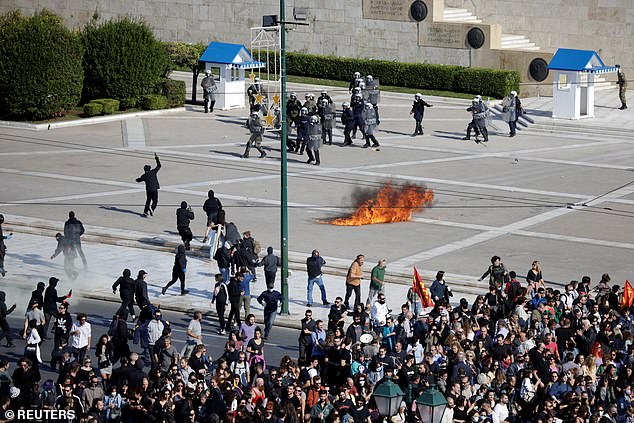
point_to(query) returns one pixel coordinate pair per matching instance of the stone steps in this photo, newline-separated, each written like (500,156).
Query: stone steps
(459,15)
(517,42)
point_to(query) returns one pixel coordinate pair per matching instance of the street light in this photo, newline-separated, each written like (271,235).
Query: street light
(388,397)
(431,405)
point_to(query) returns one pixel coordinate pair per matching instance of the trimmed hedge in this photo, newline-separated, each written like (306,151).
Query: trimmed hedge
(128,103)
(40,67)
(93,109)
(173,90)
(153,102)
(487,82)
(109,105)
(122,59)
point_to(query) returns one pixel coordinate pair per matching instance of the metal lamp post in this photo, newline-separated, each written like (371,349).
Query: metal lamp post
(283,178)
(431,405)
(388,397)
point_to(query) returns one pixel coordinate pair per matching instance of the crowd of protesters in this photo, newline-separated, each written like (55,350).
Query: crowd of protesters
(522,352)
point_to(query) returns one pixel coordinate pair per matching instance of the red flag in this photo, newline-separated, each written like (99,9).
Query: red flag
(419,288)
(628,295)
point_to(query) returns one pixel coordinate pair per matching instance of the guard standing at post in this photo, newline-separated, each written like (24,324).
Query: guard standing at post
(256,127)
(622,83)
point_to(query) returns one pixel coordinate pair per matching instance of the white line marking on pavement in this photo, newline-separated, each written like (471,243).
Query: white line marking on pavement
(507,229)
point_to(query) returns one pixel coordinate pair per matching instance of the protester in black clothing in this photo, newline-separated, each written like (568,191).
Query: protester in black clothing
(64,247)
(183,216)
(51,299)
(119,334)
(38,294)
(4,324)
(270,262)
(211,207)
(140,290)
(3,247)
(220,297)
(151,186)
(73,230)
(223,259)
(178,271)
(126,293)
(234,300)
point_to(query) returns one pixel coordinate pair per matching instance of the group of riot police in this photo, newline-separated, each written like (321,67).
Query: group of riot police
(315,119)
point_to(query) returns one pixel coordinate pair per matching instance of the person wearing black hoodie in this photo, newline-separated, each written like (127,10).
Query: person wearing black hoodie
(4,325)
(3,248)
(234,300)
(73,230)
(211,207)
(270,262)
(178,271)
(183,216)
(126,293)
(140,290)
(38,294)
(51,299)
(151,186)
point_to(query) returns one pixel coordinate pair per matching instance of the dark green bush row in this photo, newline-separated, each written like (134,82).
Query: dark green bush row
(487,82)
(40,66)
(173,90)
(109,105)
(153,102)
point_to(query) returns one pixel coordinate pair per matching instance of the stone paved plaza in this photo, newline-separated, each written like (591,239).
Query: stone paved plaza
(564,198)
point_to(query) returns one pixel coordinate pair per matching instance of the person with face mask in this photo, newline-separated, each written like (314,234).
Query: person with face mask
(151,186)
(3,247)
(126,293)
(184,215)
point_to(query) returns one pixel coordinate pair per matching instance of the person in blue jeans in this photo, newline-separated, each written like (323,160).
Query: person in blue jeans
(271,300)
(314,264)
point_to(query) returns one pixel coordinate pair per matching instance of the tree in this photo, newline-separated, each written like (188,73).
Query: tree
(40,70)
(122,59)
(187,55)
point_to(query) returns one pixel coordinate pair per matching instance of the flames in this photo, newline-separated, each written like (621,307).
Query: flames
(389,204)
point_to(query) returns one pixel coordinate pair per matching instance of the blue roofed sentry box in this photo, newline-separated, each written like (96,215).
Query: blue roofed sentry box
(230,54)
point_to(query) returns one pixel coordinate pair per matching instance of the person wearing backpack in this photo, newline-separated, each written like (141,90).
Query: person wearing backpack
(220,296)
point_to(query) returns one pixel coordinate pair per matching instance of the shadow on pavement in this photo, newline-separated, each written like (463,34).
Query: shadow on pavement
(117,209)
(33,259)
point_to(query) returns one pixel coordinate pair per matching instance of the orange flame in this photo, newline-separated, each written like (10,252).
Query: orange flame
(390,204)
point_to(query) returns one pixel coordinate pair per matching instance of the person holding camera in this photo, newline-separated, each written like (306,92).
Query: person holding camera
(184,215)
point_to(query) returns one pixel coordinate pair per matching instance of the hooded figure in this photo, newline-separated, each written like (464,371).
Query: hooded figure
(3,248)
(183,216)
(4,325)
(140,290)
(73,230)
(178,271)
(69,253)
(151,186)
(211,206)
(126,293)
(51,299)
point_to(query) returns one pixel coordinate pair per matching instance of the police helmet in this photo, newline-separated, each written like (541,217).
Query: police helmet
(418,96)
(369,78)
(312,96)
(293,96)
(368,105)
(345,105)
(208,72)
(314,119)
(479,97)
(362,85)
(303,111)
(514,93)
(475,100)
(324,102)
(307,96)
(254,114)
(357,75)
(257,79)
(324,92)
(359,96)
(356,90)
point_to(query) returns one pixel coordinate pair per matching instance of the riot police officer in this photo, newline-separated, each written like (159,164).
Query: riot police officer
(371,95)
(293,105)
(302,130)
(209,91)
(478,120)
(253,91)
(314,140)
(357,105)
(310,104)
(354,82)
(369,125)
(347,119)
(256,127)
(327,116)
(418,110)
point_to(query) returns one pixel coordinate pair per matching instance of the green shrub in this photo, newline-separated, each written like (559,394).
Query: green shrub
(110,105)
(122,59)
(488,82)
(153,102)
(128,103)
(173,90)
(40,67)
(93,109)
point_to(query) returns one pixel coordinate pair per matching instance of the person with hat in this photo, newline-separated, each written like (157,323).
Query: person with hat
(418,110)
(622,83)
(209,91)
(3,247)
(140,290)
(253,92)
(151,186)
(478,120)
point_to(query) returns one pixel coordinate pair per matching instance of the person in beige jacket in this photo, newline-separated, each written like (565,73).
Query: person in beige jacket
(353,281)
